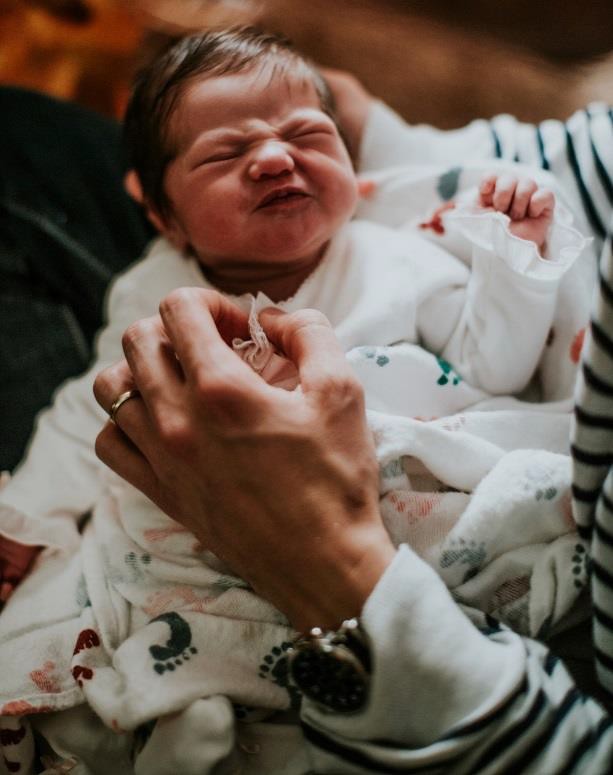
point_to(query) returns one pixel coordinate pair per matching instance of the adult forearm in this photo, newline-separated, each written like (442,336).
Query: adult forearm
(446,694)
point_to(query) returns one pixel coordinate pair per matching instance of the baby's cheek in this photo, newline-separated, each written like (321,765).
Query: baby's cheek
(344,194)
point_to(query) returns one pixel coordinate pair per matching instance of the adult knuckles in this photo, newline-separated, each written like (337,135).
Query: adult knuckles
(223,401)
(297,323)
(177,435)
(340,391)
(306,318)
(301,326)
(180,297)
(135,332)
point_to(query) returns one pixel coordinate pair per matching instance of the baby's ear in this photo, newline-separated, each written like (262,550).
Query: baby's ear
(131,183)
(134,188)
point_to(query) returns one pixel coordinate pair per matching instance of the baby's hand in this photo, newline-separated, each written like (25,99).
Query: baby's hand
(15,560)
(529,206)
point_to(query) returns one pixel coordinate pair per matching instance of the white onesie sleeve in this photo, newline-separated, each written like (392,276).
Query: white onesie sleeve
(493,330)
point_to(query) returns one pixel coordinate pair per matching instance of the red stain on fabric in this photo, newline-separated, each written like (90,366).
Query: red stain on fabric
(577,345)
(22,707)
(398,503)
(44,679)
(422,505)
(565,505)
(157,534)
(436,221)
(416,506)
(511,590)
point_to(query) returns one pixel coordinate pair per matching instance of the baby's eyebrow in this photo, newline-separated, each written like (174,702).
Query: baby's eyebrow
(213,140)
(215,136)
(306,120)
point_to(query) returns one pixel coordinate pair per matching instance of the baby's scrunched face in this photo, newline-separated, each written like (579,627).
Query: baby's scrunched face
(262,178)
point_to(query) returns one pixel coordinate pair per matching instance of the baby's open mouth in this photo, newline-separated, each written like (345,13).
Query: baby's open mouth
(282,196)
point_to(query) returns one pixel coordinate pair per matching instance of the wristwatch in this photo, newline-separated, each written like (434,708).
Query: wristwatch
(332,668)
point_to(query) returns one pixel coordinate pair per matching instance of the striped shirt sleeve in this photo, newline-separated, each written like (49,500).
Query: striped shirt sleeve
(592,451)
(450,697)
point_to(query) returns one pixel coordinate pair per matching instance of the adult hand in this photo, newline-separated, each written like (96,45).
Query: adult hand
(283,486)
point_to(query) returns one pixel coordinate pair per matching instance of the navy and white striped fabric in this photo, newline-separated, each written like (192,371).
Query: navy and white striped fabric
(592,450)
(580,154)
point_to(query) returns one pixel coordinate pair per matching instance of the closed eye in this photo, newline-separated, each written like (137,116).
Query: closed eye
(220,157)
(217,158)
(312,133)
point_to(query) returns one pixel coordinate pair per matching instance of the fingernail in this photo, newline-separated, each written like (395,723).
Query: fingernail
(272,311)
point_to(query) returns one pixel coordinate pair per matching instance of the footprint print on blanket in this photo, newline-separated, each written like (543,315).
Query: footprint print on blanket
(448,183)
(464,552)
(449,375)
(582,566)
(86,640)
(376,354)
(275,668)
(10,737)
(177,649)
(137,565)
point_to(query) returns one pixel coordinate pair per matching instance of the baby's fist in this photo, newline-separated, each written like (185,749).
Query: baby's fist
(529,206)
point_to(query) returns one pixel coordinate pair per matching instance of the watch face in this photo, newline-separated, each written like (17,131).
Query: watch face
(332,676)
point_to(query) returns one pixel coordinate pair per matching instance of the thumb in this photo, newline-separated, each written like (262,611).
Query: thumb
(307,339)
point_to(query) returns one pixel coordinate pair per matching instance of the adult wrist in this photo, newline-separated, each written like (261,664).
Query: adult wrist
(340,579)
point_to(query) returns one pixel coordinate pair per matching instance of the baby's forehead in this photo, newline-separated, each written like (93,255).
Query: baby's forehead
(285,82)
(235,100)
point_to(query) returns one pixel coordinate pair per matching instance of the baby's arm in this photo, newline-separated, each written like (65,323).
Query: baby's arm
(528,205)
(493,329)
(56,483)
(60,479)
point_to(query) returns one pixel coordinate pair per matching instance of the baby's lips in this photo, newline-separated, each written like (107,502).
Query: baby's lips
(366,187)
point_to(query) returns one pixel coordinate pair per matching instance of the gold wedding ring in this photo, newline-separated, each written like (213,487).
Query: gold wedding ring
(120,401)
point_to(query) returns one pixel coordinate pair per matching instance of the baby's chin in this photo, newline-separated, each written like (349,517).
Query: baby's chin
(278,276)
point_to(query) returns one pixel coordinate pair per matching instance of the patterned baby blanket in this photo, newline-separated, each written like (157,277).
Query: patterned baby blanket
(142,622)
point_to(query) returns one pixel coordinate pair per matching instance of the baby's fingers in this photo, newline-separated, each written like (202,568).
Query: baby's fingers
(521,201)
(486,190)
(504,193)
(541,203)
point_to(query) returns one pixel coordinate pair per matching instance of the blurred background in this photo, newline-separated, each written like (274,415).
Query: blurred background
(437,61)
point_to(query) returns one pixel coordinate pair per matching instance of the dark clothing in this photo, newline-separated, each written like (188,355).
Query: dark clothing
(66,227)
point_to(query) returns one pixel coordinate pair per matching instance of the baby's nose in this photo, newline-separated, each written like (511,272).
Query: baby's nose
(270,159)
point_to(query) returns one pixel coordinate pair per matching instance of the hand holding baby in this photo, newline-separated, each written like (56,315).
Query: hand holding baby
(528,205)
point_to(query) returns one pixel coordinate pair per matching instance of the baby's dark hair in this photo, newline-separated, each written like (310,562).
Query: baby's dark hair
(159,86)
